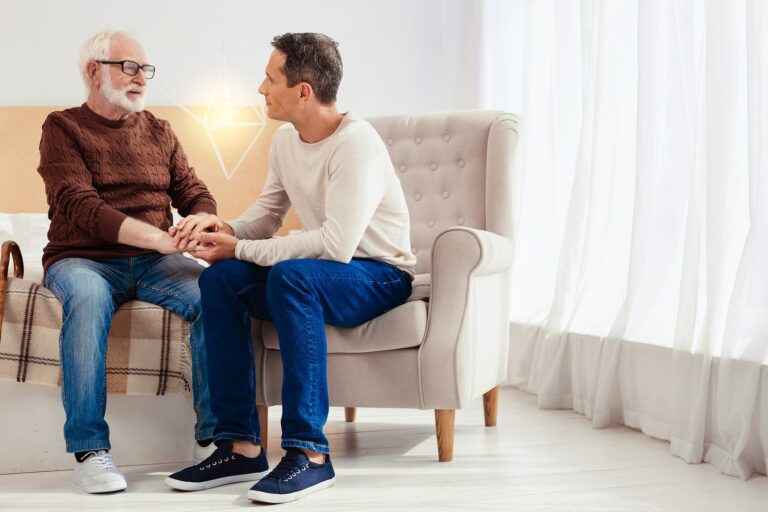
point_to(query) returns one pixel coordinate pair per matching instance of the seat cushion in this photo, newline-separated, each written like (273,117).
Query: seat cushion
(147,351)
(421,287)
(402,327)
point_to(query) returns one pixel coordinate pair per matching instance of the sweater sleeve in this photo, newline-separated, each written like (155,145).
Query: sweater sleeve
(69,184)
(356,186)
(188,192)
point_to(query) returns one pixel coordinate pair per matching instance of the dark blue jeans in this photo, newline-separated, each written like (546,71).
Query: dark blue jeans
(299,297)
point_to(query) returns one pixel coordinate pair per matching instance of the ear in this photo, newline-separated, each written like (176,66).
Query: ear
(93,70)
(305,92)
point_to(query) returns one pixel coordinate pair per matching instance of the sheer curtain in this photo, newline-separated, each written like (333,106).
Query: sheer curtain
(640,280)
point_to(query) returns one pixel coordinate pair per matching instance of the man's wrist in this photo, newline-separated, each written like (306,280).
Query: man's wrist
(156,238)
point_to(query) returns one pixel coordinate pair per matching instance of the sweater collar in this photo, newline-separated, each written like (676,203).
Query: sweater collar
(118,123)
(348,118)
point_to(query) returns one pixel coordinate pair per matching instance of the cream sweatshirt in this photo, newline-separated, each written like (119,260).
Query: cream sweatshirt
(345,193)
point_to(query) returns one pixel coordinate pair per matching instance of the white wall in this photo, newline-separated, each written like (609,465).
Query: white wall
(399,55)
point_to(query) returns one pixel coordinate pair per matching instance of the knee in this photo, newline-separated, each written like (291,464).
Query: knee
(214,276)
(88,294)
(286,277)
(88,311)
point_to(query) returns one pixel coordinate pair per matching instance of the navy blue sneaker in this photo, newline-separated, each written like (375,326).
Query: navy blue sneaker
(295,477)
(222,467)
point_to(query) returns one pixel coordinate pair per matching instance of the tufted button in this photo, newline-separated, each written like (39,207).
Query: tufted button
(433,166)
(461,221)
(462,163)
(418,140)
(417,197)
(390,141)
(446,137)
(402,168)
(446,195)
(431,223)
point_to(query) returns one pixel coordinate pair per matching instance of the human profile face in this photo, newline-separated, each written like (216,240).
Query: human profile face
(282,101)
(123,91)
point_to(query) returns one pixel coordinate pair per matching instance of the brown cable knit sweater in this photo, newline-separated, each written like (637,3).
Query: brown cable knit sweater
(97,172)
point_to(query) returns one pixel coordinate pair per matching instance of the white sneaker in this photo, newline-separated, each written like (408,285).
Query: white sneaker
(199,453)
(98,473)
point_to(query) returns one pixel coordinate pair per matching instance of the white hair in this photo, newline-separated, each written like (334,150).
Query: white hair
(97,47)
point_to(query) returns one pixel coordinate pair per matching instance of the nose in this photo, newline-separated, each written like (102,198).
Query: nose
(262,88)
(138,78)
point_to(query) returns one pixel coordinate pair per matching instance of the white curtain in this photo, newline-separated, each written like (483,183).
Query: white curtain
(640,279)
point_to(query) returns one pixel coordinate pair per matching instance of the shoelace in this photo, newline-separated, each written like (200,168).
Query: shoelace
(287,469)
(220,456)
(102,462)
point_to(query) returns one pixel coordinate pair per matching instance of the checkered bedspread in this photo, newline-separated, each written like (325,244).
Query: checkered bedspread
(148,350)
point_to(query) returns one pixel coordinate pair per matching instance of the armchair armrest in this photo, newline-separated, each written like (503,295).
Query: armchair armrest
(10,249)
(490,253)
(468,324)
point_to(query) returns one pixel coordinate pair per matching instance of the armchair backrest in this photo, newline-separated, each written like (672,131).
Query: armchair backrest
(456,169)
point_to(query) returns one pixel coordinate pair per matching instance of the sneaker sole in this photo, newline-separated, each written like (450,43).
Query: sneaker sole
(266,497)
(181,485)
(103,488)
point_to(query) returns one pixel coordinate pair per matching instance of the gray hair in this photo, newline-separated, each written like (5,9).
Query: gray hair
(97,47)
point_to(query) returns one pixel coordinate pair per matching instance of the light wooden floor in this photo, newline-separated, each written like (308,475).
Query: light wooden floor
(387,460)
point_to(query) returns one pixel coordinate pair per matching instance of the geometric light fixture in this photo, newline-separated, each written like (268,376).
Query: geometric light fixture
(232,124)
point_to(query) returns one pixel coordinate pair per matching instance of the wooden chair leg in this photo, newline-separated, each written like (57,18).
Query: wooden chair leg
(263,412)
(444,425)
(349,414)
(491,406)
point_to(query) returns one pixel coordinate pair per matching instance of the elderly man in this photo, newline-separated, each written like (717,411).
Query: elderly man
(112,170)
(352,263)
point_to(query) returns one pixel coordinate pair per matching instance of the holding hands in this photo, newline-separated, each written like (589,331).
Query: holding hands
(204,236)
(213,247)
(185,232)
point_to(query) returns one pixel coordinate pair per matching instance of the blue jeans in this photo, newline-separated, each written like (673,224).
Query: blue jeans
(299,297)
(90,292)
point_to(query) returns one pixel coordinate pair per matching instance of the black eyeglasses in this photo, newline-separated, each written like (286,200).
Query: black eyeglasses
(130,67)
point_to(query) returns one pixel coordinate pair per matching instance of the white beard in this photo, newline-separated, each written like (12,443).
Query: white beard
(120,97)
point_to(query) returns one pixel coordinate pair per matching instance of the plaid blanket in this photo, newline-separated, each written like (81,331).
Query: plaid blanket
(147,352)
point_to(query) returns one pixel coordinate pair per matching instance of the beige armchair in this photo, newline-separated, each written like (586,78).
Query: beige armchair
(448,344)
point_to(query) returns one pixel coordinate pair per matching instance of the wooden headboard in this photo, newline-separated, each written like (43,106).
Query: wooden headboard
(22,190)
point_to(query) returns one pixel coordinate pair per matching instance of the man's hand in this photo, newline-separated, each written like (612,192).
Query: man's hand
(140,234)
(185,232)
(164,244)
(213,247)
